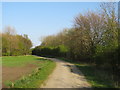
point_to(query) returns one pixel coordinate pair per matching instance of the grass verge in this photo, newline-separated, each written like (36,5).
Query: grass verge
(96,77)
(36,78)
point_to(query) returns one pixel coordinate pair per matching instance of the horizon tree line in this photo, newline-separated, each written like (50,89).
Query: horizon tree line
(14,44)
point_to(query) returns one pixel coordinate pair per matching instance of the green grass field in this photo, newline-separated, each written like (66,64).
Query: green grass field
(34,79)
(17,61)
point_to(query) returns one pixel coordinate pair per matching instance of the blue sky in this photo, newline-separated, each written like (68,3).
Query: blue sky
(37,19)
(0,16)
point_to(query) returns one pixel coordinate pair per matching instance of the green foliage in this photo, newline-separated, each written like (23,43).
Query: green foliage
(50,51)
(14,45)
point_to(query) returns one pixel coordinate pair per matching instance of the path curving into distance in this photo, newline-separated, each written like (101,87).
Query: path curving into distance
(65,75)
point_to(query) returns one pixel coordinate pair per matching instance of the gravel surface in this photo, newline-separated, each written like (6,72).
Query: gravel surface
(65,75)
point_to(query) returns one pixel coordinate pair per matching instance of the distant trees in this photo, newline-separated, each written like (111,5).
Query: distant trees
(0,44)
(58,51)
(13,44)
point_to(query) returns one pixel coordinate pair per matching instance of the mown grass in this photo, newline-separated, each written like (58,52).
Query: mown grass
(36,78)
(19,61)
(98,78)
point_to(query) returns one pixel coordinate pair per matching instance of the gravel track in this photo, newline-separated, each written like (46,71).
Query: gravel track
(65,75)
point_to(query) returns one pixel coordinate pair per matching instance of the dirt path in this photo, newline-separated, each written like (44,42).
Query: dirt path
(65,75)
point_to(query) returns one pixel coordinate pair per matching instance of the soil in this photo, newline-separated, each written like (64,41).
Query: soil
(15,73)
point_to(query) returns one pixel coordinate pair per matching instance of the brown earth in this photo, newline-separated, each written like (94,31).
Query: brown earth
(15,73)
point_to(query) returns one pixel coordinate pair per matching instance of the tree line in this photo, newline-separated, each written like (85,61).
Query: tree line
(14,44)
(92,39)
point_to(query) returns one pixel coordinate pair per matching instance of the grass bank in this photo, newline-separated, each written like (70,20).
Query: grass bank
(98,78)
